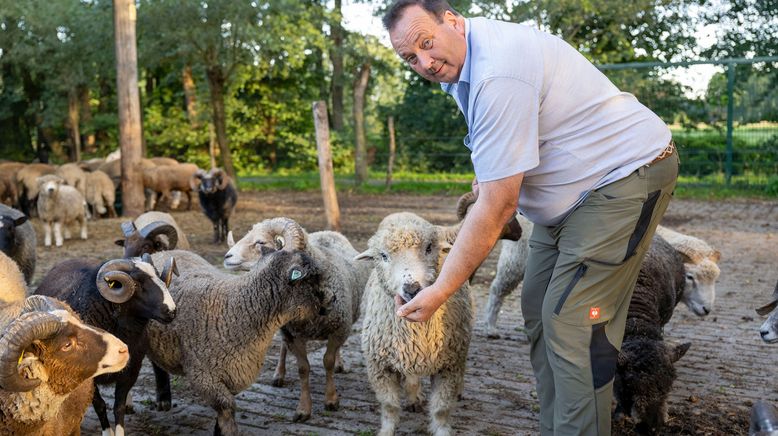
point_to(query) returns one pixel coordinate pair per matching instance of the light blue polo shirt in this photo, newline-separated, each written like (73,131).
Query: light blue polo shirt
(534,105)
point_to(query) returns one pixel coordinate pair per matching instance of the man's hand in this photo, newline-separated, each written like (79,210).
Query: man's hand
(421,307)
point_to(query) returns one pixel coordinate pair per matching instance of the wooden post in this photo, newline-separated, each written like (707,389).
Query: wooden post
(392,149)
(212,145)
(325,165)
(129,106)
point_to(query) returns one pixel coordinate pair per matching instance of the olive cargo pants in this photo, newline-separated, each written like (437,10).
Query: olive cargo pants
(577,288)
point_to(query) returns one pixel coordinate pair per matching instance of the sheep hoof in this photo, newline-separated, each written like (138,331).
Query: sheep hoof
(332,406)
(163,406)
(301,416)
(414,408)
(277,382)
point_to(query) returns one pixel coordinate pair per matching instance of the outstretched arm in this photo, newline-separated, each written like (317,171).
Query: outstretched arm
(496,204)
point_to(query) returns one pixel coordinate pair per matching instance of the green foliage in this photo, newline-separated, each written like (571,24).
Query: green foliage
(704,153)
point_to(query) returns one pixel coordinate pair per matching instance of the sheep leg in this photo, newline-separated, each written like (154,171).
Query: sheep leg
(66,231)
(280,373)
(386,385)
(47,231)
(414,394)
(446,386)
(216,232)
(330,393)
(102,413)
(82,220)
(297,347)
(225,413)
(340,367)
(58,233)
(502,286)
(188,200)
(164,397)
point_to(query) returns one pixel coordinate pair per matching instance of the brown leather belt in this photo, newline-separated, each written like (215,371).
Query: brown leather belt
(667,152)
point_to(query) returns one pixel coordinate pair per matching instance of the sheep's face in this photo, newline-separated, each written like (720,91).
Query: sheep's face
(8,233)
(209,183)
(700,292)
(259,242)
(49,185)
(76,353)
(152,300)
(300,278)
(407,256)
(769,329)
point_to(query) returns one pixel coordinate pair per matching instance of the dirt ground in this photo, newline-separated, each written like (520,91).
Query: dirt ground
(725,371)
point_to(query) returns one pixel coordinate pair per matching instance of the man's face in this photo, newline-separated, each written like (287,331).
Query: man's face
(434,50)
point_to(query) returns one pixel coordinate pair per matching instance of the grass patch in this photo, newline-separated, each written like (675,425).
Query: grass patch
(711,187)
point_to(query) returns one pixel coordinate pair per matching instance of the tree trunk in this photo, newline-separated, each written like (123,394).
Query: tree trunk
(392,150)
(190,96)
(326,174)
(128,97)
(336,55)
(84,95)
(74,120)
(360,153)
(216,81)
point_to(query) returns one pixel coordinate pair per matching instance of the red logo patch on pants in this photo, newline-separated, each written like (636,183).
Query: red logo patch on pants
(594,313)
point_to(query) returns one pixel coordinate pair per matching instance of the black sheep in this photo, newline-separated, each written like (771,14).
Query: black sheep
(218,198)
(644,371)
(119,296)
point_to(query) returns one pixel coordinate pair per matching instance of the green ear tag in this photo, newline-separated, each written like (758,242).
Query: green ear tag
(296,274)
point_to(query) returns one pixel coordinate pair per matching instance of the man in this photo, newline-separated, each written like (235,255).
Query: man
(589,165)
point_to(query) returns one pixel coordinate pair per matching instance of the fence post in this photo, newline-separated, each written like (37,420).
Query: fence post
(326,175)
(392,148)
(730,115)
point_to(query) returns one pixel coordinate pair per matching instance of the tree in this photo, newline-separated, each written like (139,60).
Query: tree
(224,35)
(129,107)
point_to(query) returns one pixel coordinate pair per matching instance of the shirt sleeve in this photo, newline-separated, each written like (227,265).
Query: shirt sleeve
(504,129)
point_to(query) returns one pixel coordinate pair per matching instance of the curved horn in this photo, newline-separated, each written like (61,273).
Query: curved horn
(292,233)
(168,270)
(17,337)
(194,181)
(151,230)
(465,201)
(128,228)
(223,177)
(39,303)
(113,282)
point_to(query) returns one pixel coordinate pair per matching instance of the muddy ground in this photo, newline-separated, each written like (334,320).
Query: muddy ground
(725,371)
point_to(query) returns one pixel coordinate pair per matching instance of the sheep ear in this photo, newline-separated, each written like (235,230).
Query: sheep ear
(368,254)
(679,351)
(767,308)
(230,239)
(445,247)
(716,256)
(686,258)
(21,220)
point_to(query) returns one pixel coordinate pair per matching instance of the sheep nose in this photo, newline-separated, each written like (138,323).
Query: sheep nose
(411,289)
(227,256)
(706,310)
(764,333)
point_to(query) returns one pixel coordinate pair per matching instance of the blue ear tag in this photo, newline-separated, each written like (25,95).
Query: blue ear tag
(296,274)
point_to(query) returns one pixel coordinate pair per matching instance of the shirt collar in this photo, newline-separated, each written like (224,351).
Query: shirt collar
(464,75)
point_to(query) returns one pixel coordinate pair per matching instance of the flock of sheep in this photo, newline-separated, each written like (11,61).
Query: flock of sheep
(89,320)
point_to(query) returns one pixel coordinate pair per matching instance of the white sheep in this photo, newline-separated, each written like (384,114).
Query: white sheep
(60,204)
(73,176)
(702,271)
(407,253)
(100,193)
(341,275)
